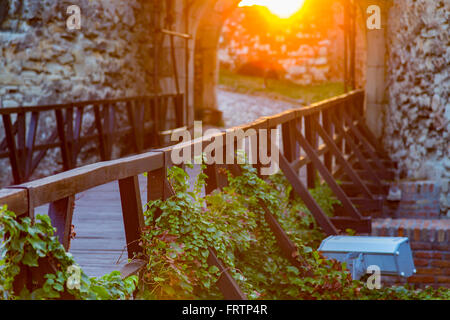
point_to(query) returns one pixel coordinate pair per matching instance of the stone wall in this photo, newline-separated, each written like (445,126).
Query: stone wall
(42,62)
(417,117)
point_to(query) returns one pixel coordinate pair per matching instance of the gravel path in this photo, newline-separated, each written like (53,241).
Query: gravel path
(241,108)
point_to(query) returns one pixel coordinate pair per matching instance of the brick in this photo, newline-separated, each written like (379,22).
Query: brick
(443,279)
(423,254)
(428,233)
(421,262)
(429,271)
(409,228)
(421,279)
(421,214)
(440,263)
(440,246)
(441,235)
(417,234)
(436,255)
(421,246)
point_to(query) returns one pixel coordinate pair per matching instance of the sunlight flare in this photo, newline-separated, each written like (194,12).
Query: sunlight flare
(282,8)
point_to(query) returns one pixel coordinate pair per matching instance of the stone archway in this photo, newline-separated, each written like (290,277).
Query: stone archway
(206,69)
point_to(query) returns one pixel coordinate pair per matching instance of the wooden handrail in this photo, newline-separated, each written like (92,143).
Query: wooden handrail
(56,187)
(51,107)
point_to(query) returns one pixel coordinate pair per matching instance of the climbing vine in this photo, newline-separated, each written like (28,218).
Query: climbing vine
(176,241)
(27,246)
(180,230)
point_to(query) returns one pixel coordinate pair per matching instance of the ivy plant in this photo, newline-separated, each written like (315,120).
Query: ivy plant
(178,237)
(180,230)
(33,246)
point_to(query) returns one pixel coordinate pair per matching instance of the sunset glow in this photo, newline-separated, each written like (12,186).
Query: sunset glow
(282,8)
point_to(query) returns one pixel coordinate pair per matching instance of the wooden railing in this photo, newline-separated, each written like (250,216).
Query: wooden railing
(141,119)
(331,134)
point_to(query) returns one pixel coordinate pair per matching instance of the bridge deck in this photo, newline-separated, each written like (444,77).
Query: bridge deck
(99,246)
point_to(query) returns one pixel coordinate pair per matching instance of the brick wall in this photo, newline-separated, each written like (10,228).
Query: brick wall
(420,199)
(430,243)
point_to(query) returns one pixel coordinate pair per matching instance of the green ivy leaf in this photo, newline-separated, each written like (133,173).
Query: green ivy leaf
(30,258)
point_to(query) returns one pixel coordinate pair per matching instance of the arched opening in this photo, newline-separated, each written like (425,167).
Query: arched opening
(205,53)
(309,46)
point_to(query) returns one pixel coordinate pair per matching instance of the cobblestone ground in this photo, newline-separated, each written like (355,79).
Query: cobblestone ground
(241,108)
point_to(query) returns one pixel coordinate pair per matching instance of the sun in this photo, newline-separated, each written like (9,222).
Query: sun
(282,8)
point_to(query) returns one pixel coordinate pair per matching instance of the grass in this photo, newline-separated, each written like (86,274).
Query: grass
(280,88)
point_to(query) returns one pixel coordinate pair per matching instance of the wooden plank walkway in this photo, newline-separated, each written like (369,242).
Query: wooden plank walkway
(99,246)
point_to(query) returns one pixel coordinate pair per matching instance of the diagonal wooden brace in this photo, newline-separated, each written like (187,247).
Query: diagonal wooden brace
(288,248)
(320,216)
(340,194)
(370,150)
(366,165)
(340,158)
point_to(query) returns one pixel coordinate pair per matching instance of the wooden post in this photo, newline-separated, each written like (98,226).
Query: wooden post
(346,35)
(352,36)
(109,124)
(344,111)
(338,124)
(21,134)
(140,122)
(216,179)
(67,163)
(61,213)
(31,139)
(77,135)
(101,137)
(69,134)
(311,137)
(211,182)
(131,110)
(328,157)
(155,184)
(11,143)
(133,217)
(290,148)
(179,111)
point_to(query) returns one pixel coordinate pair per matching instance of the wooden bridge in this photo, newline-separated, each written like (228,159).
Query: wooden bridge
(329,138)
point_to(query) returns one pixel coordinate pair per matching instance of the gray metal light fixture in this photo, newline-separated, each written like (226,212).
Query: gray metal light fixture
(391,254)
